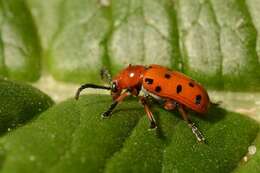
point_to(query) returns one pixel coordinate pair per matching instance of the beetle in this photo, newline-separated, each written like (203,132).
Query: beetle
(173,89)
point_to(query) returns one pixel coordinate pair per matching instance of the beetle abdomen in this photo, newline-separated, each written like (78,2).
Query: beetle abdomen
(161,81)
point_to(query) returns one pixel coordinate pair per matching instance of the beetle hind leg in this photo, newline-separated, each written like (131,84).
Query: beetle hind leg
(191,125)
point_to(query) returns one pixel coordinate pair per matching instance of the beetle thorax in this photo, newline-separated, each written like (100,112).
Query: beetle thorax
(130,77)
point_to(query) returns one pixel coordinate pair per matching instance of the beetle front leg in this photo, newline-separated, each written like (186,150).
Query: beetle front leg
(148,112)
(193,127)
(108,113)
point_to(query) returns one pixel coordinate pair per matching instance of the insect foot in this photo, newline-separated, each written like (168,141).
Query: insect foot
(106,115)
(153,126)
(197,133)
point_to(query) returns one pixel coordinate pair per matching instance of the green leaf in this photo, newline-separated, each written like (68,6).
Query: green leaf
(20,50)
(19,103)
(215,42)
(69,136)
(77,52)
(219,41)
(254,11)
(217,45)
(144,32)
(46,14)
(72,137)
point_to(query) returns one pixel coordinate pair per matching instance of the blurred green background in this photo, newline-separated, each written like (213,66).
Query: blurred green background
(55,43)
(213,41)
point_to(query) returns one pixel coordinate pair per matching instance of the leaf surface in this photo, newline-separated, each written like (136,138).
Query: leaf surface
(20,50)
(72,137)
(20,103)
(215,42)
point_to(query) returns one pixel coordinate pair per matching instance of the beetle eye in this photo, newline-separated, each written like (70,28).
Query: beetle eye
(114,87)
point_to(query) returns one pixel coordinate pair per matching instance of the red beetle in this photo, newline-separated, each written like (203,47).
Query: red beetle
(173,88)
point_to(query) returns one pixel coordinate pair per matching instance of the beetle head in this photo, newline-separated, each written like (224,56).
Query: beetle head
(129,78)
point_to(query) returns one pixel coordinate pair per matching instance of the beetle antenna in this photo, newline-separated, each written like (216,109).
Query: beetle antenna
(216,103)
(105,75)
(88,85)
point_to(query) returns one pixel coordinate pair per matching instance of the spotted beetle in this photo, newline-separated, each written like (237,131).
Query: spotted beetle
(172,88)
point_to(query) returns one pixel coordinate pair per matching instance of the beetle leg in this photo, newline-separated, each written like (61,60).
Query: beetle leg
(193,127)
(114,104)
(148,112)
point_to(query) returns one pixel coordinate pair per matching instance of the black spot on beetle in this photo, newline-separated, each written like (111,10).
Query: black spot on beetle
(158,89)
(198,99)
(149,81)
(167,76)
(178,89)
(191,84)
